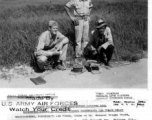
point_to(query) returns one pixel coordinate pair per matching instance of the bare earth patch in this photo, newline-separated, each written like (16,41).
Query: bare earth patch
(122,75)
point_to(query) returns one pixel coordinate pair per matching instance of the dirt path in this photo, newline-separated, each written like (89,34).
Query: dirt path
(127,76)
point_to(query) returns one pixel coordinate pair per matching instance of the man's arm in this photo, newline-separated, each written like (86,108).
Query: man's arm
(92,41)
(68,6)
(109,39)
(65,41)
(62,40)
(69,13)
(91,5)
(73,19)
(40,46)
(44,53)
(109,36)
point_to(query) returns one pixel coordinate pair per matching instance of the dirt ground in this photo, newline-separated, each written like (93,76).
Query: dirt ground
(132,75)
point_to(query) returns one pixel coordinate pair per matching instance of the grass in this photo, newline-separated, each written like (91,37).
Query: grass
(20,28)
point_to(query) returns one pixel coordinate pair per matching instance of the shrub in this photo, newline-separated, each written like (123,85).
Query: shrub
(20,28)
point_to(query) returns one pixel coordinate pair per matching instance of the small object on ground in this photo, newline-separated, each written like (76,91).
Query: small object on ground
(77,69)
(60,67)
(114,73)
(109,65)
(92,66)
(48,67)
(38,80)
(78,60)
(91,61)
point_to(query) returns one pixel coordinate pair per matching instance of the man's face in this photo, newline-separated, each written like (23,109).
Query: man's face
(53,30)
(102,29)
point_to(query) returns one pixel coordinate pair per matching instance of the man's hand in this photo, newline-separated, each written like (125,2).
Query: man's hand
(49,53)
(75,21)
(59,46)
(104,46)
(99,48)
(94,51)
(42,52)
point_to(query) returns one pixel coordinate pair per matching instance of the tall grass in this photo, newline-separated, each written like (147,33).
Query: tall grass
(21,26)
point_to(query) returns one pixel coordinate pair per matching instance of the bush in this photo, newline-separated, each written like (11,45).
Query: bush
(20,28)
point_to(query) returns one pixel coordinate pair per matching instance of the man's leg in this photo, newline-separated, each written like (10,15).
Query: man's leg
(102,56)
(109,52)
(64,52)
(89,54)
(41,61)
(59,60)
(78,37)
(44,61)
(85,36)
(62,64)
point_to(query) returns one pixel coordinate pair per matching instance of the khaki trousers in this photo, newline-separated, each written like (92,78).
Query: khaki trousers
(41,60)
(81,35)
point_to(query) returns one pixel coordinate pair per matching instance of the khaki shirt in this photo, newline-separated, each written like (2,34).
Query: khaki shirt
(81,7)
(96,40)
(46,40)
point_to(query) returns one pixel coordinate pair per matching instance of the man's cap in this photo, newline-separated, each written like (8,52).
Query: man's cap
(101,23)
(52,23)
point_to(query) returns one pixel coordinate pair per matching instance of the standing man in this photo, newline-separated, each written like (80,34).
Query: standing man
(100,44)
(52,45)
(80,18)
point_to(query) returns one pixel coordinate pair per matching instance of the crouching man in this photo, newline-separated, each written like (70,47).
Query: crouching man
(100,44)
(52,45)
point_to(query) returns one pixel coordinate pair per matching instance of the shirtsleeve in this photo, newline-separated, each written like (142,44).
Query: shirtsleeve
(41,42)
(60,35)
(109,36)
(90,4)
(70,4)
(92,40)
(59,38)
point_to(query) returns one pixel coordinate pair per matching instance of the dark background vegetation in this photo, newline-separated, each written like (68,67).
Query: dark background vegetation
(20,27)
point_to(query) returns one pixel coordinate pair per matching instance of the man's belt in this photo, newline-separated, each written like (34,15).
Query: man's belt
(83,17)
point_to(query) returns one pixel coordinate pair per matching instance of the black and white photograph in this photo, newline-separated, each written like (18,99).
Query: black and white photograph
(74,44)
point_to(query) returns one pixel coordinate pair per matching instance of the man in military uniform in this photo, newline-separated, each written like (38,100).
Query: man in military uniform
(100,44)
(52,45)
(82,9)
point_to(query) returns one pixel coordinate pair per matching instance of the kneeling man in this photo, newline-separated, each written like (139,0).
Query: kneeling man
(100,44)
(52,45)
